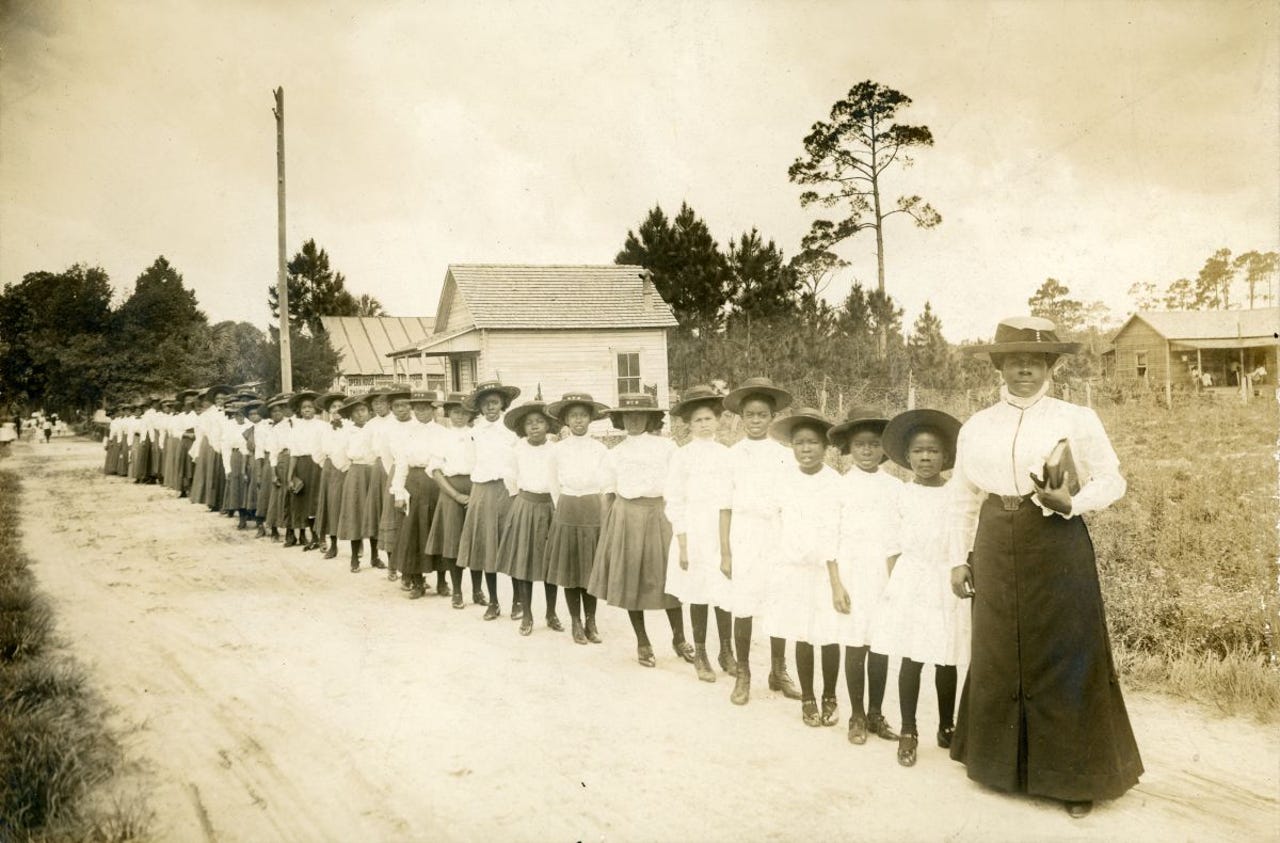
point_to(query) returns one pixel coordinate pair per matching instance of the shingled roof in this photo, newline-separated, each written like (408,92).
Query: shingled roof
(362,342)
(1212,324)
(558,296)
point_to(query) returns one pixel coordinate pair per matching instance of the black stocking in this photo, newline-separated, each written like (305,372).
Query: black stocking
(524,592)
(855,661)
(778,650)
(588,604)
(945,677)
(550,591)
(455,576)
(804,667)
(830,670)
(909,693)
(573,596)
(877,679)
(675,617)
(724,625)
(491,580)
(637,624)
(698,621)
(742,639)
(476,577)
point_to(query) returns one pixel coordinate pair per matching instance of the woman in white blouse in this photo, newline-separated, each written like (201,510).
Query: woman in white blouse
(452,473)
(333,467)
(630,568)
(358,520)
(415,447)
(522,551)
(1041,711)
(575,527)
(302,476)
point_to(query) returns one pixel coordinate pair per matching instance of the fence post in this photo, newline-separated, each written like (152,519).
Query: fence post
(1088,394)
(911,390)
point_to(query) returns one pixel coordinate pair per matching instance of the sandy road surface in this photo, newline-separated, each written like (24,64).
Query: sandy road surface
(276,696)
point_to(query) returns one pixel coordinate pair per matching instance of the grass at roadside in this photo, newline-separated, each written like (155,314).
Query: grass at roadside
(56,750)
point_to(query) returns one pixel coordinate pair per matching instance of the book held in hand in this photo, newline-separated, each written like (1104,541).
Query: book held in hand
(1060,467)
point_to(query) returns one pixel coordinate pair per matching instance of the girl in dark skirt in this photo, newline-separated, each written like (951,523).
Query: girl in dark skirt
(416,448)
(233,460)
(490,497)
(356,521)
(1041,711)
(278,509)
(522,552)
(266,442)
(575,527)
(333,469)
(630,567)
(302,477)
(253,412)
(381,403)
(452,473)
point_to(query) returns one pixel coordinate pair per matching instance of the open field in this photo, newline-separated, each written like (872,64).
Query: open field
(270,695)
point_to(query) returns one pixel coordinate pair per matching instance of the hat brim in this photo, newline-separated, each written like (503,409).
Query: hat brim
(295,400)
(351,403)
(840,434)
(894,437)
(683,408)
(784,428)
(984,352)
(508,393)
(617,415)
(557,409)
(514,419)
(780,397)
(212,392)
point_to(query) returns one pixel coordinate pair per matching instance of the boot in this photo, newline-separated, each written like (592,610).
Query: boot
(417,588)
(333,548)
(355,561)
(275,534)
(727,662)
(244,521)
(741,686)
(477,597)
(261,531)
(442,587)
(493,612)
(683,649)
(780,681)
(701,664)
(289,539)
(579,634)
(593,634)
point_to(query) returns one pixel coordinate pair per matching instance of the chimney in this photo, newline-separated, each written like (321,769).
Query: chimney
(646,290)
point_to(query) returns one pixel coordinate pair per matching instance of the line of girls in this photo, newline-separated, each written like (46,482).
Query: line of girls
(763,529)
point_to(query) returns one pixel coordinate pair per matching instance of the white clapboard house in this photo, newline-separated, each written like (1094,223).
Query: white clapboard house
(601,329)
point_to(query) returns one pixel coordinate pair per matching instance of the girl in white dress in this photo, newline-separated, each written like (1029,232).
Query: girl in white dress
(920,620)
(868,508)
(809,594)
(697,492)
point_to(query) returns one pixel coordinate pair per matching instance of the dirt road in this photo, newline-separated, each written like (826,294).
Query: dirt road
(274,696)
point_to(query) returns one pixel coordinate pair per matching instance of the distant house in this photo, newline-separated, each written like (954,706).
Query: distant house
(602,329)
(1164,347)
(362,343)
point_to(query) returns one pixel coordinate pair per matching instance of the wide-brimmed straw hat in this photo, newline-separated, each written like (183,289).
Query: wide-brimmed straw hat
(328,398)
(426,396)
(514,419)
(784,428)
(392,394)
(296,399)
(760,387)
(184,394)
(1022,334)
(897,434)
(858,418)
(280,399)
(351,403)
(508,393)
(557,409)
(212,392)
(457,399)
(631,403)
(700,395)
(250,406)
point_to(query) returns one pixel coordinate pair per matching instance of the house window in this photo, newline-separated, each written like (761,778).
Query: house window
(628,372)
(1142,364)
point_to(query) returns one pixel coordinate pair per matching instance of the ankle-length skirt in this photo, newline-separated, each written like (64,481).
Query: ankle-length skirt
(356,520)
(409,555)
(233,495)
(446,523)
(302,505)
(630,567)
(329,506)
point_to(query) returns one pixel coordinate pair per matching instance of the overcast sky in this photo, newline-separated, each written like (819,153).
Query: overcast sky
(1098,143)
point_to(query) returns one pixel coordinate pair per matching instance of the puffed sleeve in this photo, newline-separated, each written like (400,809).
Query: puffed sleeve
(609,472)
(1101,483)
(964,502)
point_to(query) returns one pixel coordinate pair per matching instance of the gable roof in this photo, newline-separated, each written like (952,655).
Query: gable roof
(557,296)
(1262,322)
(362,342)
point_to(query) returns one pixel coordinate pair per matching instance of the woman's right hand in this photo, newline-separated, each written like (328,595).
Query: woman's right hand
(726,564)
(463,500)
(962,581)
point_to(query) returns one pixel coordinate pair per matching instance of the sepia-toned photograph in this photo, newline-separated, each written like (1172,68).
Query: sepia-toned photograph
(639,420)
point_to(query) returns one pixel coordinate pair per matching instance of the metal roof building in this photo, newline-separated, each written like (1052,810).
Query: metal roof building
(363,342)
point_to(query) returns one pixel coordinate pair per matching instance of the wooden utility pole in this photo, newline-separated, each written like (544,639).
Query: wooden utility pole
(282,278)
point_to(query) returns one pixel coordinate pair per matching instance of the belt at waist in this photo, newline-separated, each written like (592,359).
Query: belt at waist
(1009,503)
(536,497)
(650,501)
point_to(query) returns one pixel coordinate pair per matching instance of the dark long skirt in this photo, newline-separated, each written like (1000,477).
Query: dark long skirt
(215,482)
(1041,711)
(233,496)
(302,506)
(446,524)
(122,458)
(265,487)
(138,461)
(329,503)
(356,521)
(109,464)
(630,568)
(390,516)
(277,500)
(155,463)
(252,482)
(571,545)
(522,553)
(409,556)
(482,529)
(188,464)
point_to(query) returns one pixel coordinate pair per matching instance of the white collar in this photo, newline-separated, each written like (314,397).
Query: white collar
(1025,403)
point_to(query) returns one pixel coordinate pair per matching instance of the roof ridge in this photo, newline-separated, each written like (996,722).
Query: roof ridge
(549,265)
